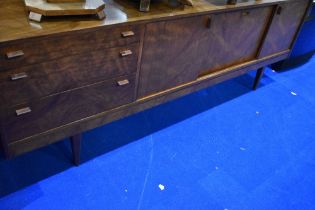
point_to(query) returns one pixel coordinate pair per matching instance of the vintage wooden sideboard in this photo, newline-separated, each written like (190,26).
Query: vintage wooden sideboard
(61,77)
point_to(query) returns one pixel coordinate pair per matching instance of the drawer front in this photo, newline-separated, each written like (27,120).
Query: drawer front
(35,81)
(29,119)
(36,50)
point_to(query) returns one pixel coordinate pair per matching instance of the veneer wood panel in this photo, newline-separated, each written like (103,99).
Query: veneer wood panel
(77,79)
(55,134)
(41,49)
(62,109)
(189,47)
(285,24)
(66,73)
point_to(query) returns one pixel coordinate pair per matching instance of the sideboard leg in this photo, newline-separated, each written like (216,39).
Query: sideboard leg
(259,74)
(76,148)
(101,15)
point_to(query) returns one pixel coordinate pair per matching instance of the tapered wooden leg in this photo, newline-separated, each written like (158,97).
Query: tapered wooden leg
(101,15)
(76,148)
(259,74)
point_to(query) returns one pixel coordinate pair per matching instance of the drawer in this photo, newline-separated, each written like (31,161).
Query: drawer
(36,50)
(38,116)
(35,81)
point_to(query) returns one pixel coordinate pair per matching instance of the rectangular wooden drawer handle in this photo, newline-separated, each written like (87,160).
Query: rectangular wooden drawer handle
(14,54)
(18,76)
(127,33)
(209,22)
(123,82)
(125,53)
(279,10)
(245,13)
(22,111)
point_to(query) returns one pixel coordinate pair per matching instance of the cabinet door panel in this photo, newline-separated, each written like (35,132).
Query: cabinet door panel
(284,27)
(171,53)
(236,37)
(179,51)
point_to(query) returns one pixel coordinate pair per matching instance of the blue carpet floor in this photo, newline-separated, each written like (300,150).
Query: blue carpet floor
(225,147)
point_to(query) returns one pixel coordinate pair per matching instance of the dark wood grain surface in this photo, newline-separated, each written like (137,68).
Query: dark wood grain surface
(286,21)
(235,37)
(15,25)
(37,50)
(68,76)
(61,109)
(66,73)
(190,47)
(55,134)
(170,54)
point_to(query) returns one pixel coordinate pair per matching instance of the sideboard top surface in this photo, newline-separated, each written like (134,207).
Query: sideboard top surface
(14,23)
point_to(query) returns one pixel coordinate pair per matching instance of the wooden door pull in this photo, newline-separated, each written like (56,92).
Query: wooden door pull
(209,22)
(18,76)
(14,54)
(279,10)
(123,82)
(127,33)
(22,111)
(125,53)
